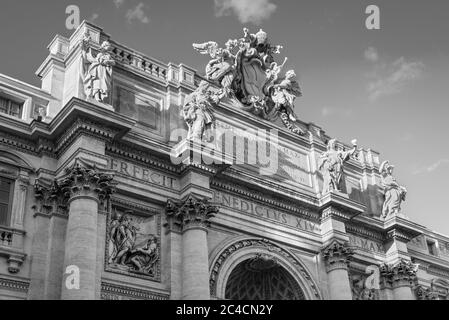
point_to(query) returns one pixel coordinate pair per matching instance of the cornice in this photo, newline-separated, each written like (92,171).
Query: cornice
(126,152)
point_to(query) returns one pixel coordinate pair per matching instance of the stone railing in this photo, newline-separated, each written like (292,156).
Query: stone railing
(6,237)
(139,62)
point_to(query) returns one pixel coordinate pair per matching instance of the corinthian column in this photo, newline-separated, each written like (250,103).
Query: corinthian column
(336,256)
(85,188)
(191,216)
(400,277)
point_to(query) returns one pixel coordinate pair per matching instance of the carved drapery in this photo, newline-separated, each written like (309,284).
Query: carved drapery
(337,255)
(190,213)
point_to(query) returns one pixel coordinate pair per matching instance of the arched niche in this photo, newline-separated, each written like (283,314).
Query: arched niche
(235,253)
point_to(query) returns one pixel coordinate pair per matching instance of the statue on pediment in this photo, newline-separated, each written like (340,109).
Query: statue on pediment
(97,71)
(198,111)
(331,164)
(394,193)
(246,71)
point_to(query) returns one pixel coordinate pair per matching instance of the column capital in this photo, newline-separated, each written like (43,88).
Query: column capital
(86,181)
(50,199)
(337,255)
(191,212)
(423,293)
(400,274)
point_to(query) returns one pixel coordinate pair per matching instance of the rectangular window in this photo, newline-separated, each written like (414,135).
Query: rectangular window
(432,247)
(11,107)
(6,192)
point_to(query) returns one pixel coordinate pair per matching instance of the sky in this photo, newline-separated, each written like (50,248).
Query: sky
(388,88)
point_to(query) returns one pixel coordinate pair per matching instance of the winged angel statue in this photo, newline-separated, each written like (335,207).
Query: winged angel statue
(245,70)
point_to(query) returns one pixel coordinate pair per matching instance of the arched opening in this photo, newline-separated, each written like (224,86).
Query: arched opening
(262,278)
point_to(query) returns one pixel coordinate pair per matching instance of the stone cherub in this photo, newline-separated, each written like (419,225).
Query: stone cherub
(97,71)
(331,164)
(198,111)
(394,193)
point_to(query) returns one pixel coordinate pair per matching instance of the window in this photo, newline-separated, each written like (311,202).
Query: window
(11,107)
(6,192)
(432,247)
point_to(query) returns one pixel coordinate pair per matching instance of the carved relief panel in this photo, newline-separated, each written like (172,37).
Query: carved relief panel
(133,241)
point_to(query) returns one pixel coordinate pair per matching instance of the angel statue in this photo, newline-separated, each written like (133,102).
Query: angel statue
(394,193)
(284,94)
(331,164)
(221,68)
(198,111)
(97,71)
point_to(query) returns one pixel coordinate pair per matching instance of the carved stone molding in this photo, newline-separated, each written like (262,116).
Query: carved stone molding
(400,274)
(337,255)
(14,285)
(111,291)
(267,245)
(190,213)
(84,180)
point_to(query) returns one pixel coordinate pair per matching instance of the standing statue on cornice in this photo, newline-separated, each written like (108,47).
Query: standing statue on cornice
(198,111)
(394,193)
(97,71)
(331,164)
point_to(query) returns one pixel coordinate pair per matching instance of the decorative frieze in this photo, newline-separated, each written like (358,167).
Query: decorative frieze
(111,291)
(336,255)
(190,212)
(400,274)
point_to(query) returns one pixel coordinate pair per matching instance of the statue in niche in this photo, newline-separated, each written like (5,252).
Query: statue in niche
(198,111)
(331,164)
(97,71)
(247,72)
(393,192)
(126,253)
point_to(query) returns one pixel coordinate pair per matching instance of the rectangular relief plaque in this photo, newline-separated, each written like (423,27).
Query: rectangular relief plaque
(133,242)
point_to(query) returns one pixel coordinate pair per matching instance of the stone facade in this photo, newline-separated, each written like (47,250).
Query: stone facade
(102,201)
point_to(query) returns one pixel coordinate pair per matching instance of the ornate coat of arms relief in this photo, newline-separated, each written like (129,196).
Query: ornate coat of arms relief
(245,72)
(133,243)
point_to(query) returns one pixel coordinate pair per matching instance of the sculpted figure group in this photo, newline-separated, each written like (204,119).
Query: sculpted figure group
(246,72)
(125,253)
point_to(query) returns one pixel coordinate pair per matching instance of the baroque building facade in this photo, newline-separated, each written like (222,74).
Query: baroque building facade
(99,199)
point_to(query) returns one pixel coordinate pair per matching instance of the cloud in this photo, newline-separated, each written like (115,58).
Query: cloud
(371,54)
(118,3)
(254,11)
(331,111)
(94,17)
(433,167)
(138,13)
(390,78)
